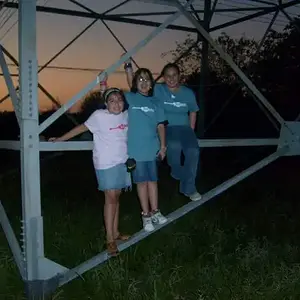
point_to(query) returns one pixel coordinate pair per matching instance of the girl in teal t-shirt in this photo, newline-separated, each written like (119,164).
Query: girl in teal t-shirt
(146,143)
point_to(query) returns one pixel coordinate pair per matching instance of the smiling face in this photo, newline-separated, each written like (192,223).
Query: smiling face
(143,83)
(171,77)
(115,103)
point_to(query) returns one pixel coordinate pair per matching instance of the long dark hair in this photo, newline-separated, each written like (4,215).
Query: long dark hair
(92,102)
(135,79)
(96,100)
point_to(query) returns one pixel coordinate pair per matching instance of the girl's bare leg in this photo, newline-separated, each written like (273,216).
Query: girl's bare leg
(110,209)
(153,195)
(116,232)
(142,189)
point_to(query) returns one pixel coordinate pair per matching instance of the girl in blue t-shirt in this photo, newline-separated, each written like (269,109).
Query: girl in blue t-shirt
(180,107)
(146,144)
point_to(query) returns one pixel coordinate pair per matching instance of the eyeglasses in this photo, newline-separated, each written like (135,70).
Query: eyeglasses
(141,79)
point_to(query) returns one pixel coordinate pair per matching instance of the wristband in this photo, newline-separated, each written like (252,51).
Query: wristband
(127,66)
(103,85)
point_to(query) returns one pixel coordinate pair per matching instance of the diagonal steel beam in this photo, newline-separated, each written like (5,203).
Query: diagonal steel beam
(291,20)
(263,108)
(255,15)
(12,241)
(232,64)
(213,10)
(165,13)
(41,87)
(10,86)
(195,13)
(106,26)
(116,6)
(184,54)
(65,48)
(226,103)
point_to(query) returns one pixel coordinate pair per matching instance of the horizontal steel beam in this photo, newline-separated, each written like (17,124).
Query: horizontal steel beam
(66,146)
(264,2)
(204,143)
(88,145)
(210,143)
(104,17)
(160,2)
(10,145)
(165,13)
(12,241)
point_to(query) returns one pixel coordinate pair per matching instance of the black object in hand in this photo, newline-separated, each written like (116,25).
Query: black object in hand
(130,164)
(158,158)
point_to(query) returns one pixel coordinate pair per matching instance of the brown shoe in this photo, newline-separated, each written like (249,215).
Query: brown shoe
(123,237)
(112,248)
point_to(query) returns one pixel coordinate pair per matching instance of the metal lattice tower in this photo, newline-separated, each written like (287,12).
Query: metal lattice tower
(40,274)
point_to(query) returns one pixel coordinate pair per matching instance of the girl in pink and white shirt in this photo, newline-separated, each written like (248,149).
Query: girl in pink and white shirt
(109,129)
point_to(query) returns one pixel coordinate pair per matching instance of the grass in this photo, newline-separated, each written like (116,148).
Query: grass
(244,244)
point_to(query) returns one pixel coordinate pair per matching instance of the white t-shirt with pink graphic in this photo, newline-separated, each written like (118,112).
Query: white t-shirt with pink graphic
(110,138)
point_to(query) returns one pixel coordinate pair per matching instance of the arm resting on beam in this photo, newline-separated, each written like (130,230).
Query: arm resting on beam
(70,134)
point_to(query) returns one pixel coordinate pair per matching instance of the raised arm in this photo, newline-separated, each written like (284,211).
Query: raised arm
(103,85)
(70,134)
(129,72)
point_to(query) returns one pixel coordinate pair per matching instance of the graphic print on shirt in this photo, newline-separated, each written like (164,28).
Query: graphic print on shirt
(143,108)
(144,115)
(176,104)
(109,138)
(120,127)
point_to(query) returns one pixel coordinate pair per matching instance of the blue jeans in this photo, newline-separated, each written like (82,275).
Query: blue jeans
(183,139)
(145,171)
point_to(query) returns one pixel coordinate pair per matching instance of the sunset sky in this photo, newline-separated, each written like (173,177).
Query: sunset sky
(97,49)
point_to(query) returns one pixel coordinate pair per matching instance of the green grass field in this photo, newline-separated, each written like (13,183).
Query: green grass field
(243,244)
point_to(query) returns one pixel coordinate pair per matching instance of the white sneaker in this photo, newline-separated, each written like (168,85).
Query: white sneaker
(195,196)
(147,224)
(158,218)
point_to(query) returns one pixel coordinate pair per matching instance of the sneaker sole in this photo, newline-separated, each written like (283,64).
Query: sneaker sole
(149,230)
(197,199)
(194,200)
(159,223)
(163,222)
